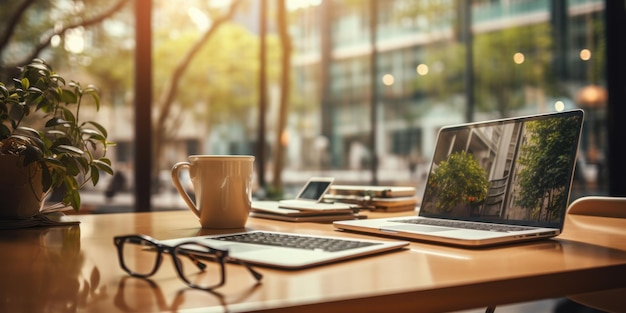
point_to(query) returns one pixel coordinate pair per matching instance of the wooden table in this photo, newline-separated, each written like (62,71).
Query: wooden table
(76,267)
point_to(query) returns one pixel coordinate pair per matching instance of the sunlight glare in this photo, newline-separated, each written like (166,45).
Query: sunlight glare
(199,19)
(299,4)
(519,58)
(55,41)
(74,40)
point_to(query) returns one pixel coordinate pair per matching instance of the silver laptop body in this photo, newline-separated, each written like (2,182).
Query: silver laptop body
(285,257)
(513,172)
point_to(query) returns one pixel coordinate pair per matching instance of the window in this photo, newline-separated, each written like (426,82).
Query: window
(525,57)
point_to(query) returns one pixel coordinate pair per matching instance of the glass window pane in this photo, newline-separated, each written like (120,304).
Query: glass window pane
(365,112)
(90,42)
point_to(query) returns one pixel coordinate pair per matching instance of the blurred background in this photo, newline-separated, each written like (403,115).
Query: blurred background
(353,89)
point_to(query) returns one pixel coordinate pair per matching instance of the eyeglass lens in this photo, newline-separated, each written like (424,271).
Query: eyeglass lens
(140,256)
(210,275)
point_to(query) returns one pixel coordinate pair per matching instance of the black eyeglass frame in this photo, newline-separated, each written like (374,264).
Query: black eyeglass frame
(219,255)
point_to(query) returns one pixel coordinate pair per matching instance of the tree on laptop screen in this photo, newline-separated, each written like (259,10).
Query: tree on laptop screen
(516,171)
(460,183)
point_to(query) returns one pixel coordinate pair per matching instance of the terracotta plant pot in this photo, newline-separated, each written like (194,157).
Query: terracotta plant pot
(21,190)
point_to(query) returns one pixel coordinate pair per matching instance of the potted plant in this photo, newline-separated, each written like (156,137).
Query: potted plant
(62,153)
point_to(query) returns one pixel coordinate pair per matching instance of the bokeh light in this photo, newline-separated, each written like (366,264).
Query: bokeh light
(388,79)
(422,69)
(559,106)
(585,54)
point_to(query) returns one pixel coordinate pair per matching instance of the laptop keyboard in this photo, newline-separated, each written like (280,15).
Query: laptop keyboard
(464,225)
(296,241)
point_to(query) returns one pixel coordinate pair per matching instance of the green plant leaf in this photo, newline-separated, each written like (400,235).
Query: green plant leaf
(38,64)
(55,121)
(93,92)
(25,83)
(72,197)
(90,132)
(4,131)
(54,164)
(68,115)
(68,96)
(56,93)
(107,161)
(30,132)
(71,165)
(84,164)
(65,140)
(103,165)
(97,138)
(4,92)
(56,132)
(99,127)
(95,175)
(31,154)
(35,98)
(44,105)
(58,78)
(17,109)
(70,149)
(33,89)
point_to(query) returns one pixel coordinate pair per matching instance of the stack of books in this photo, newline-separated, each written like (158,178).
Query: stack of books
(383,198)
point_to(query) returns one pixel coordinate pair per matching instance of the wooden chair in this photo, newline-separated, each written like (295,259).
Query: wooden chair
(591,214)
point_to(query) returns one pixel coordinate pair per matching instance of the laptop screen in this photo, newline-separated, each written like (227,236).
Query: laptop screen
(315,189)
(516,171)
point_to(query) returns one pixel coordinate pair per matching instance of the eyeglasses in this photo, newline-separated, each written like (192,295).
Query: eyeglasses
(134,250)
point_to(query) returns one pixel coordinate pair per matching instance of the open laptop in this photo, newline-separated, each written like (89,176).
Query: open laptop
(493,182)
(312,192)
(292,251)
(309,198)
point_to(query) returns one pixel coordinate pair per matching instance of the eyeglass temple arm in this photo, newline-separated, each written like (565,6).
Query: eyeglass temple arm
(200,265)
(258,276)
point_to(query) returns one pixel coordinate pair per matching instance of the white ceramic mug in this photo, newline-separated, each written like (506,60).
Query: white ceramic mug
(222,185)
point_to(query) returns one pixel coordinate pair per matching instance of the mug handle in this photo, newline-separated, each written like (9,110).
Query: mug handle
(175,170)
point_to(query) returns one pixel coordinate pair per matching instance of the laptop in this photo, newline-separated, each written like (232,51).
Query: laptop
(292,251)
(309,198)
(493,182)
(312,192)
